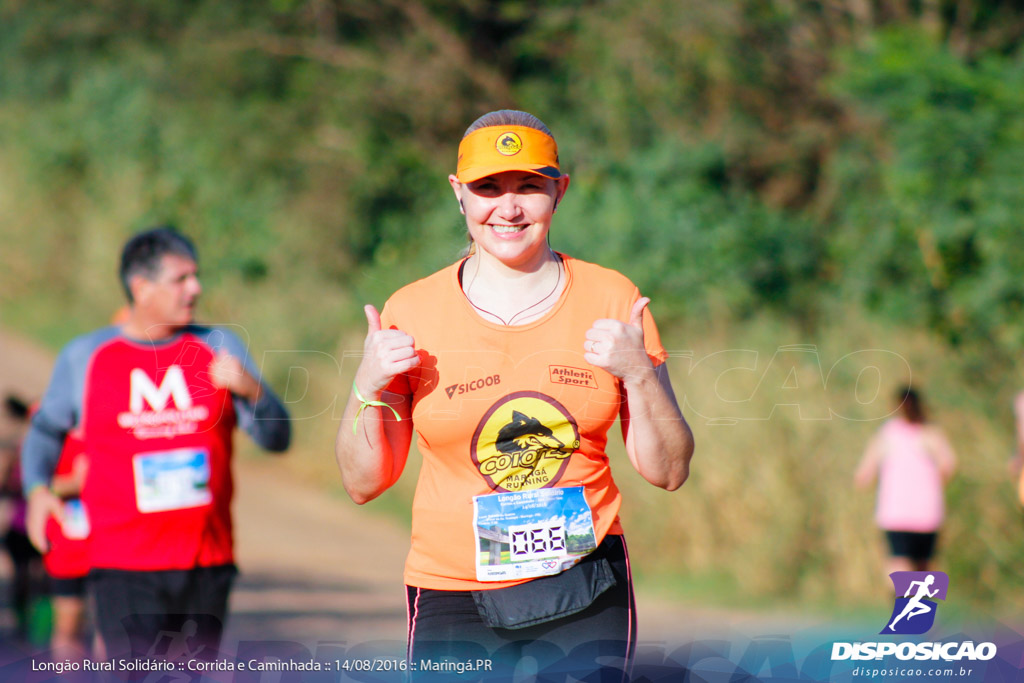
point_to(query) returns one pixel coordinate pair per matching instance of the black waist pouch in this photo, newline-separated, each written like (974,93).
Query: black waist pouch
(548,597)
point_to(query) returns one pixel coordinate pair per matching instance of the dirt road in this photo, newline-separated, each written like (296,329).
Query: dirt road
(314,566)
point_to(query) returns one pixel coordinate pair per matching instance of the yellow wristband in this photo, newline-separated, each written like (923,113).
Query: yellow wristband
(364,403)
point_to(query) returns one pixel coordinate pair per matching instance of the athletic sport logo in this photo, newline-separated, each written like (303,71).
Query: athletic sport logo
(914,612)
(579,377)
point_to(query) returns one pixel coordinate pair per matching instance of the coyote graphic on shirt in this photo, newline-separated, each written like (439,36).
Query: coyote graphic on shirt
(524,442)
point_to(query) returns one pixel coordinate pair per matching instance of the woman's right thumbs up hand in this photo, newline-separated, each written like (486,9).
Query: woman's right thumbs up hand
(386,354)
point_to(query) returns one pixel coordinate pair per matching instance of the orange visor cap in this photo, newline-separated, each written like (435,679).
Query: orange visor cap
(497,149)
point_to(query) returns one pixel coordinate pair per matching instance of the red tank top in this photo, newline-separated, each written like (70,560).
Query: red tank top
(158,438)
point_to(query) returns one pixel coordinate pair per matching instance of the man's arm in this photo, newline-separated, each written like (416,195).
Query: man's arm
(42,447)
(56,416)
(266,421)
(259,411)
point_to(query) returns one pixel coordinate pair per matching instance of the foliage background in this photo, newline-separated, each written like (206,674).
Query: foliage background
(843,175)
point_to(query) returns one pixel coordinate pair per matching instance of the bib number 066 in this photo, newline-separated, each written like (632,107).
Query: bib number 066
(529,542)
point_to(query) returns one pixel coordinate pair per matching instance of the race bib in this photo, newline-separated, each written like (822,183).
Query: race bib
(75,524)
(526,534)
(172,480)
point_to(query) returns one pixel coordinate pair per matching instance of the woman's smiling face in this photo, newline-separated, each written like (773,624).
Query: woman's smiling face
(509,214)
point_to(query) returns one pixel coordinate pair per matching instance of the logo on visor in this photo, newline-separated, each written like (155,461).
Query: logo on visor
(508,144)
(524,442)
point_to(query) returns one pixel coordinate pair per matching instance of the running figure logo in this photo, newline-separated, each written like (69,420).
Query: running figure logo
(914,613)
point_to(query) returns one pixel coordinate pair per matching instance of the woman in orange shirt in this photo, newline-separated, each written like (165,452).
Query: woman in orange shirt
(511,365)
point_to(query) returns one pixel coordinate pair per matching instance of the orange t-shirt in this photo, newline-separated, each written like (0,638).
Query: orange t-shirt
(506,409)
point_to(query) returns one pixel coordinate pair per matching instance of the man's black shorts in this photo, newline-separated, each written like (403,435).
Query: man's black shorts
(167,613)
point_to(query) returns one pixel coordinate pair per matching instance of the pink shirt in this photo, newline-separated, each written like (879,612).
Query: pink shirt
(909,481)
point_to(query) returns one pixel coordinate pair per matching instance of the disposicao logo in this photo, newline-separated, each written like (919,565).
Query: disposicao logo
(913,613)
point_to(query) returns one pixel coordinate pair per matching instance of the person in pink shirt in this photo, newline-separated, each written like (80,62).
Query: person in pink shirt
(912,460)
(1017,461)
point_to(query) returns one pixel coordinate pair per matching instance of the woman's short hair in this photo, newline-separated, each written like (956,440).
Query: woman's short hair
(911,405)
(508,117)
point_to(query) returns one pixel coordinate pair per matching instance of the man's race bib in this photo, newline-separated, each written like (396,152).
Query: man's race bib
(75,524)
(526,534)
(172,480)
